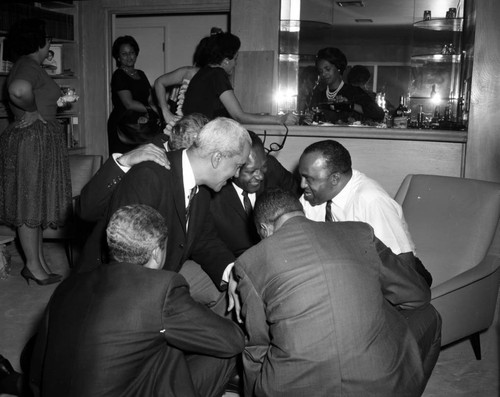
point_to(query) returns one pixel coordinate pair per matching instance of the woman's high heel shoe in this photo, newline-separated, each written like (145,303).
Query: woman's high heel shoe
(27,275)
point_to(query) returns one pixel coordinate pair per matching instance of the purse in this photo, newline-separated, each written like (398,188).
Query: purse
(135,128)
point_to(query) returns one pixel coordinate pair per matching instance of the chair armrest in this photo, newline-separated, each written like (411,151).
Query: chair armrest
(486,267)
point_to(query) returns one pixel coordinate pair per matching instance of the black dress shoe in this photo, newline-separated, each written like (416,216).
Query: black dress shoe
(5,367)
(9,378)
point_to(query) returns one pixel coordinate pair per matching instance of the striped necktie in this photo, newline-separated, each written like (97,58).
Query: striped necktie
(246,203)
(190,201)
(328,213)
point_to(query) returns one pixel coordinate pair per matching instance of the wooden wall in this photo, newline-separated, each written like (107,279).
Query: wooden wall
(483,147)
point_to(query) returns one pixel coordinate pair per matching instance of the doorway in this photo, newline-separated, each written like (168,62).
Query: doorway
(166,42)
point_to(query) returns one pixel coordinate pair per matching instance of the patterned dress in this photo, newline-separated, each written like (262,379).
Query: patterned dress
(35,185)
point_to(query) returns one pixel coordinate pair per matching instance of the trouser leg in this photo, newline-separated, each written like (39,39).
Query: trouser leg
(425,324)
(203,289)
(210,375)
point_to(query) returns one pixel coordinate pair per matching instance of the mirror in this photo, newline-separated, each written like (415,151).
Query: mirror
(388,38)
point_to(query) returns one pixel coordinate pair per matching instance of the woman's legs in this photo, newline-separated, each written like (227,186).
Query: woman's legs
(41,255)
(31,241)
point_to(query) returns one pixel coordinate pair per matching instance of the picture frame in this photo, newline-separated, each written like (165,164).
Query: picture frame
(53,63)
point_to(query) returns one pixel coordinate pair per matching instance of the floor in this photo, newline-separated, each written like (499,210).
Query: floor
(457,372)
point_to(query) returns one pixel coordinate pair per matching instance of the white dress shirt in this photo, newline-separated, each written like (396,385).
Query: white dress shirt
(363,199)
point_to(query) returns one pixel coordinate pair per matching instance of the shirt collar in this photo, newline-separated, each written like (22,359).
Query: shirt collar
(341,199)
(188,178)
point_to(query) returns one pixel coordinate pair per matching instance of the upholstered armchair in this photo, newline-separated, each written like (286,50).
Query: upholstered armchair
(454,223)
(82,168)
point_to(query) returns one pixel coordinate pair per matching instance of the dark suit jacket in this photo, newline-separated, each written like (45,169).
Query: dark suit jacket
(123,330)
(320,292)
(94,198)
(151,184)
(233,225)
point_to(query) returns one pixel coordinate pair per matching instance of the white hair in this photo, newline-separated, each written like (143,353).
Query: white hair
(222,135)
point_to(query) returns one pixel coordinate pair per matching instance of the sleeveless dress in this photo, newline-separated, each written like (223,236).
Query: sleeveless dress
(35,184)
(140,90)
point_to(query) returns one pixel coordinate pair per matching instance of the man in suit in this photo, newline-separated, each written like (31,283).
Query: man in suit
(232,206)
(330,310)
(334,191)
(127,329)
(94,198)
(219,151)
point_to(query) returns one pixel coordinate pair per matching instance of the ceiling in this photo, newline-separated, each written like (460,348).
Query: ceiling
(381,12)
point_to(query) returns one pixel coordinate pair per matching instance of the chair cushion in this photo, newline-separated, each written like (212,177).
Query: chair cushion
(452,221)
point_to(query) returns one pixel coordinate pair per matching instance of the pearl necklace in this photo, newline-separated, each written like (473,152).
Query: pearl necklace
(331,95)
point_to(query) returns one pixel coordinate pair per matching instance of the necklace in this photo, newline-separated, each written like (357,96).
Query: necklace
(330,95)
(130,73)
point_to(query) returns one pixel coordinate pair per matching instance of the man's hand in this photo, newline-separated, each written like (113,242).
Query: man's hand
(148,152)
(234,299)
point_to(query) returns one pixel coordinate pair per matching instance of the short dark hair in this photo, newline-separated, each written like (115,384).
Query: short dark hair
(358,75)
(134,231)
(334,56)
(115,51)
(274,203)
(221,46)
(256,141)
(337,157)
(26,36)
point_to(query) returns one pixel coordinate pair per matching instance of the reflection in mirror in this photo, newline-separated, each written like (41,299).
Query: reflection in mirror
(405,55)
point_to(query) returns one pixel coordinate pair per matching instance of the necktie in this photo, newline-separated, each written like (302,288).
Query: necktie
(246,203)
(190,200)
(328,214)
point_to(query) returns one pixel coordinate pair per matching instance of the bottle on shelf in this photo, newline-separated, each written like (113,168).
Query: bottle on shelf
(420,116)
(436,118)
(400,119)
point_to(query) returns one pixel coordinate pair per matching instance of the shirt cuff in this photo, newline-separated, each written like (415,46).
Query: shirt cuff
(122,167)
(227,271)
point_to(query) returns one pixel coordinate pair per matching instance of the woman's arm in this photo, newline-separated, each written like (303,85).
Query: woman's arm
(129,102)
(168,80)
(22,96)
(233,107)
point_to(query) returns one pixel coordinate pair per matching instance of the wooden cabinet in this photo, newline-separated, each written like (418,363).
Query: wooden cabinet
(61,19)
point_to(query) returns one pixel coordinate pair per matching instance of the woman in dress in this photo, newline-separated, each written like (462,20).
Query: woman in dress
(130,90)
(210,92)
(338,100)
(35,186)
(170,88)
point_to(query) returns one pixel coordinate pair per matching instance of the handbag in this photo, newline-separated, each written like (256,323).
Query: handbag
(135,128)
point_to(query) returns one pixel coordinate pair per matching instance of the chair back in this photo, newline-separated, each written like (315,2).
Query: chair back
(452,221)
(82,168)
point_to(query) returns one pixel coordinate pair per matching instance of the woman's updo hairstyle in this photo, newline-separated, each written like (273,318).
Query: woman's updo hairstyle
(115,51)
(334,56)
(26,36)
(221,46)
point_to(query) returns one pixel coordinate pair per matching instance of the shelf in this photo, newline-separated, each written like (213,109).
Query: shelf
(445,24)
(429,98)
(437,58)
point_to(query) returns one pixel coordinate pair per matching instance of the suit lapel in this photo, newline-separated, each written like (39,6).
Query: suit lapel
(232,199)
(175,159)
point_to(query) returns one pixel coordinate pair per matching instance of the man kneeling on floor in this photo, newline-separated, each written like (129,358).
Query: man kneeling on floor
(128,329)
(330,310)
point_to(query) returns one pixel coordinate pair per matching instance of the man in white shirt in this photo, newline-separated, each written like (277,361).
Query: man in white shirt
(333,191)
